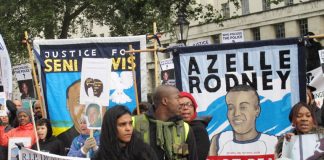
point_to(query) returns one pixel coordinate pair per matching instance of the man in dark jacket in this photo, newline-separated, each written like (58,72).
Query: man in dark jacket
(165,131)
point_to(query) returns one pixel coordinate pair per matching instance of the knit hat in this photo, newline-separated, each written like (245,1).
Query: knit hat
(26,111)
(188,95)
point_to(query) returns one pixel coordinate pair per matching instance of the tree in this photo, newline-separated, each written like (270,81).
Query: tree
(60,18)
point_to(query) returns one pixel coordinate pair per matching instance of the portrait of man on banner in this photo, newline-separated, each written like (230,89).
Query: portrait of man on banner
(243,108)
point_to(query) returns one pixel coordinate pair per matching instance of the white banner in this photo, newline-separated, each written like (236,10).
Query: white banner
(5,71)
(28,154)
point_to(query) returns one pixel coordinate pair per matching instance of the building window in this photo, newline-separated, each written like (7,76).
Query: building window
(289,2)
(280,30)
(245,7)
(303,27)
(216,38)
(256,34)
(266,4)
(226,10)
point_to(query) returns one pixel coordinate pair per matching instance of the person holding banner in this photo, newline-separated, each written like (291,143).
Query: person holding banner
(83,143)
(243,107)
(158,127)
(119,141)
(25,129)
(188,107)
(47,142)
(303,120)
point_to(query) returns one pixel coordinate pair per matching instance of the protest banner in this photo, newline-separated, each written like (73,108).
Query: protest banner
(167,73)
(13,149)
(5,70)
(233,37)
(307,146)
(60,63)
(28,154)
(274,68)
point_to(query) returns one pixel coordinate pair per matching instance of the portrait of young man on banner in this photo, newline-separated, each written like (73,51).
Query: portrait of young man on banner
(243,108)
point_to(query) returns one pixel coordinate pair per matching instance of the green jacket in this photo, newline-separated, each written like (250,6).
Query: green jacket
(170,136)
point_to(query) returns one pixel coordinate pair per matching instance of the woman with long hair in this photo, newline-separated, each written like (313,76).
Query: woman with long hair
(118,141)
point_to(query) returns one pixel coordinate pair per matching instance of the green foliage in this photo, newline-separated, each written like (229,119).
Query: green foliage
(60,18)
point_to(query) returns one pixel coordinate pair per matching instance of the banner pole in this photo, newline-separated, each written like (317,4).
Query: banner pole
(34,124)
(155,57)
(31,61)
(134,79)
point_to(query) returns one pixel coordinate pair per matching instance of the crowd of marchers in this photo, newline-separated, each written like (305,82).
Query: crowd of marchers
(168,129)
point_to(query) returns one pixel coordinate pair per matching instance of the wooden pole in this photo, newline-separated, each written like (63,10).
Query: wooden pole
(315,36)
(134,79)
(31,61)
(155,57)
(34,124)
(146,50)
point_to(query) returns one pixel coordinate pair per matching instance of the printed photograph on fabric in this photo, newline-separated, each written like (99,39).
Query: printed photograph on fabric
(167,77)
(93,115)
(26,89)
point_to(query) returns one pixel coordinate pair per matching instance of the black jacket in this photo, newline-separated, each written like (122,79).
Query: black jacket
(198,126)
(67,137)
(51,145)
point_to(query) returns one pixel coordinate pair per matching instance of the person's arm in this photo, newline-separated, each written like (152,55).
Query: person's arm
(4,137)
(75,149)
(213,146)
(192,146)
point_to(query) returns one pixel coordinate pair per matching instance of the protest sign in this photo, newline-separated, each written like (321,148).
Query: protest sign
(321,56)
(233,37)
(167,73)
(93,115)
(60,62)
(315,79)
(28,154)
(13,149)
(95,80)
(22,71)
(307,146)
(273,68)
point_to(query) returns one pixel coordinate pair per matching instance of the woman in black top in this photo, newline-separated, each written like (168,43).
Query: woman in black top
(118,141)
